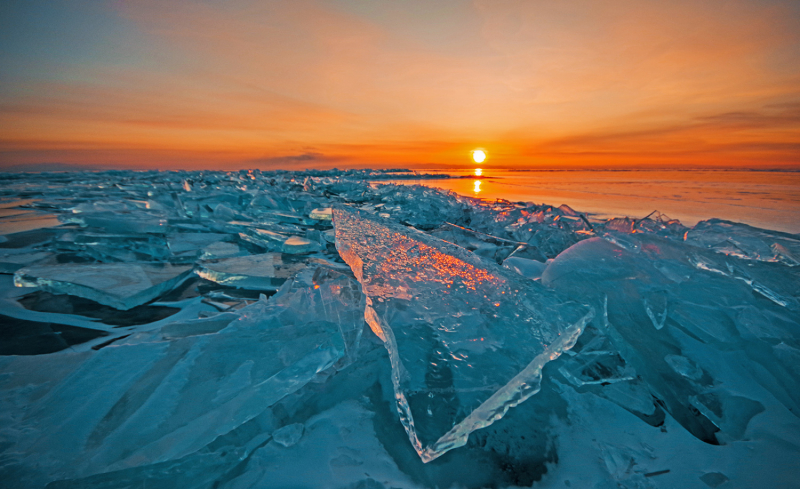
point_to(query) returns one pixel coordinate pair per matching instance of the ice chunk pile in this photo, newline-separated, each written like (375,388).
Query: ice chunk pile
(163,396)
(321,329)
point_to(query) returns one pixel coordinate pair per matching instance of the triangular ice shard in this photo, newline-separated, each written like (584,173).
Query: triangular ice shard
(467,339)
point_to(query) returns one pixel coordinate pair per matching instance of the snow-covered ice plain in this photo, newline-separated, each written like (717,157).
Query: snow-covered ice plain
(319,329)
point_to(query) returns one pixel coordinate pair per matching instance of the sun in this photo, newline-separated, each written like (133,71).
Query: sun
(478,156)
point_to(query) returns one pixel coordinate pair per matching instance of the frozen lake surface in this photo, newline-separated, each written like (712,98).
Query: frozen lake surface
(767,199)
(320,329)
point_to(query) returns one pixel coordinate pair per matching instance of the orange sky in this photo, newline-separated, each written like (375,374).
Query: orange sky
(420,84)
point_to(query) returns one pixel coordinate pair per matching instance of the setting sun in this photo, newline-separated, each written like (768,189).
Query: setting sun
(478,156)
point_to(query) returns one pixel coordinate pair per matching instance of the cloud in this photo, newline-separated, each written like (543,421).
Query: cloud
(313,158)
(774,116)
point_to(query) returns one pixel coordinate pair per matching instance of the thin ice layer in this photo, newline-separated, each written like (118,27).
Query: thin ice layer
(119,285)
(467,340)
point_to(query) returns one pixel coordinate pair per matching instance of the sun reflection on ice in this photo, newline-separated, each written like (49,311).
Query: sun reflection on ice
(477,188)
(478,172)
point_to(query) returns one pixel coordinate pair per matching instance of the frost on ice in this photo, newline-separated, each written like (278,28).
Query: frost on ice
(467,340)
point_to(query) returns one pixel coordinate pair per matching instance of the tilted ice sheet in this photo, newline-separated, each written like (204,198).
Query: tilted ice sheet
(467,340)
(119,285)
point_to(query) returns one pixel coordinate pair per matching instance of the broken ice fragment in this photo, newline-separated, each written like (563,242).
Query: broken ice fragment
(221,250)
(119,285)
(730,413)
(268,240)
(743,241)
(113,222)
(295,245)
(714,479)
(12,260)
(634,397)
(596,367)
(656,309)
(21,337)
(225,213)
(531,269)
(784,255)
(191,242)
(684,366)
(197,327)
(329,236)
(594,361)
(327,295)
(267,271)
(288,435)
(325,214)
(63,304)
(623,462)
(285,217)
(467,340)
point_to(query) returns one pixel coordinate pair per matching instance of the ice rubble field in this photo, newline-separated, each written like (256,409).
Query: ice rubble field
(319,329)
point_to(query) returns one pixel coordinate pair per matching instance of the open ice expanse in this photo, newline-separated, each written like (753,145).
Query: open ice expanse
(313,329)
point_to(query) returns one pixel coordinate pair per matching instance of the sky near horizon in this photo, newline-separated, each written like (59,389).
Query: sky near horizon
(228,84)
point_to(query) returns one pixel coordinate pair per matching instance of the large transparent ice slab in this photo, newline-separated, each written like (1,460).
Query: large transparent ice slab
(467,340)
(119,285)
